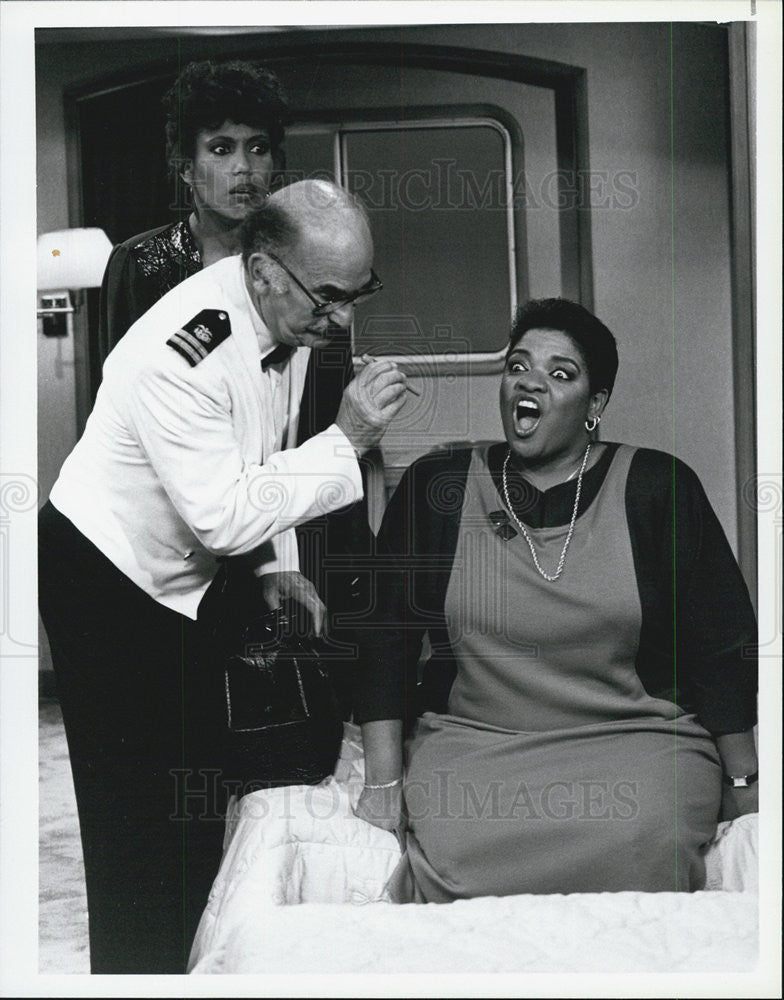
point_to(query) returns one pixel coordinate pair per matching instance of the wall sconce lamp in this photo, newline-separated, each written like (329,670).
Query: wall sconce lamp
(68,260)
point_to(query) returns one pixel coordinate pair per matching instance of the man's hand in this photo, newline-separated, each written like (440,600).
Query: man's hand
(370,402)
(276,587)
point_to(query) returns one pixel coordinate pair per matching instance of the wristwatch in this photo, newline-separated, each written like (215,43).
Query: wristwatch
(740,780)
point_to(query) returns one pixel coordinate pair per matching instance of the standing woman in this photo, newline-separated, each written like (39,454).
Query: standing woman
(224,129)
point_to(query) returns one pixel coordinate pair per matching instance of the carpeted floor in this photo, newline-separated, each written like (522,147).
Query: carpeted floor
(62,905)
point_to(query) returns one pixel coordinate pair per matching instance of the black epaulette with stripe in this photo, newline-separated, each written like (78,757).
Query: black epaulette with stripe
(202,334)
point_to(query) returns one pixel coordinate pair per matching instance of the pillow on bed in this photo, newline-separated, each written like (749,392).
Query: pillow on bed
(732,857)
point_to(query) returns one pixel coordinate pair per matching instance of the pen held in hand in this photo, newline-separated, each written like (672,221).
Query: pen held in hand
(368,359)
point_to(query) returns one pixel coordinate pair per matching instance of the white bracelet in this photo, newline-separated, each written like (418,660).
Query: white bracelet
(387,784)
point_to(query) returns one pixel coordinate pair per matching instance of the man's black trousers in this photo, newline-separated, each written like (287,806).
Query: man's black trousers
(143,703)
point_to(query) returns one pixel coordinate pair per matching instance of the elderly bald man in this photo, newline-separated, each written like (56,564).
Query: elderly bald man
(189,456)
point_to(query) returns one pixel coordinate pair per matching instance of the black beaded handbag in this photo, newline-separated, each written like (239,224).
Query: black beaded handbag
(284,725)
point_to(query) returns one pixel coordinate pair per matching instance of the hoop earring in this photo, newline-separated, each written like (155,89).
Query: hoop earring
(592,424)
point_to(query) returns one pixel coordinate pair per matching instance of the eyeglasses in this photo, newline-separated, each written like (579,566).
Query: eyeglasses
(321,308)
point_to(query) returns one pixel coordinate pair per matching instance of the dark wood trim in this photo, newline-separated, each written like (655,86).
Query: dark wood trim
(84,395)
(583,166)
(326,49)
(742,228)
(73,161)
(573,195)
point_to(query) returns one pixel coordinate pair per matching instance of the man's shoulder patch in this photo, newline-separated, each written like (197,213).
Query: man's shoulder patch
(196,338)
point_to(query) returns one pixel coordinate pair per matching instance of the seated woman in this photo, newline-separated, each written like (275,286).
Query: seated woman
(591,674)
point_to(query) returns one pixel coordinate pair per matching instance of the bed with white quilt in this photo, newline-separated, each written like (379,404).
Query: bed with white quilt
(301,889)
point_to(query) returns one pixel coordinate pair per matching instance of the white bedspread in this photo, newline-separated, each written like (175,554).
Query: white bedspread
(303,845)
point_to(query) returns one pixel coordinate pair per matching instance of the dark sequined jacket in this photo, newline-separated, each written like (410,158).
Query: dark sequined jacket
(140,271)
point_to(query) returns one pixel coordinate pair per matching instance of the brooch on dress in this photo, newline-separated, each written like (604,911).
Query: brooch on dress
(500,521)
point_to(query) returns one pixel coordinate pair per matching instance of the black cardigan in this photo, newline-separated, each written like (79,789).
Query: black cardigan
(698,633)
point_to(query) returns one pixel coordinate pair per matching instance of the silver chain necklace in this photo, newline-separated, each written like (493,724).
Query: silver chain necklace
(521,526)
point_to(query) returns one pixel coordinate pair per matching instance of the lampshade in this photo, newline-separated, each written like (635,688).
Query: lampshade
(72,258)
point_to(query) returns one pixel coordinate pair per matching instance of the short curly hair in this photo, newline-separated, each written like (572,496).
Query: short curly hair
(595,341)
(207,94)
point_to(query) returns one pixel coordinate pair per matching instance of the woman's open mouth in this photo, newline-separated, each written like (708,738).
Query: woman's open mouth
(527,416)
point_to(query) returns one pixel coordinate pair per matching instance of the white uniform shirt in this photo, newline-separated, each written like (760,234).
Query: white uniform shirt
(181,463)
